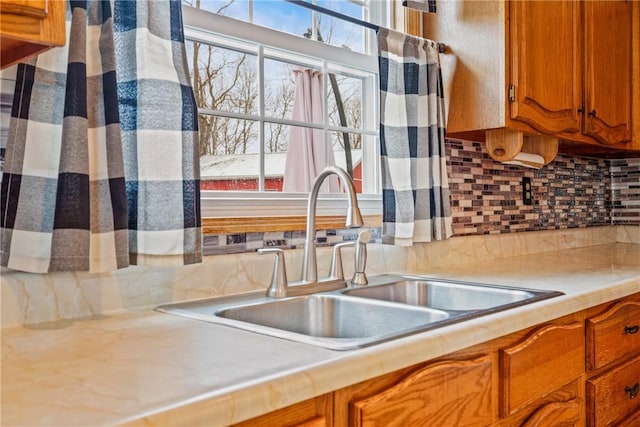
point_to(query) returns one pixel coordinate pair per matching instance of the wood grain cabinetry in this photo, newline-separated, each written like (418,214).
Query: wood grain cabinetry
(613,395)
(545,90)
(578,86)
(613,335)
(567,69)
(544,361)
(608,78)
(446,393)
(30,27)
(529,378)
(613,363)
(568,414)
(316,412)
(632,420)
(579,370)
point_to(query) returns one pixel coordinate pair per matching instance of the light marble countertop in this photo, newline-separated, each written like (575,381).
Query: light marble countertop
(151,368)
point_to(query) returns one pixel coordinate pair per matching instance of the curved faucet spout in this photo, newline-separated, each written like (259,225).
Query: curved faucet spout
(353,220)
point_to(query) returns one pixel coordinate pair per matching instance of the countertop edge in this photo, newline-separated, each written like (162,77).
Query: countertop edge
(264,395)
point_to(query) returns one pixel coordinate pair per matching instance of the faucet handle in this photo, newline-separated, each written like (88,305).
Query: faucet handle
(278,286)
(335,271)
(359,277)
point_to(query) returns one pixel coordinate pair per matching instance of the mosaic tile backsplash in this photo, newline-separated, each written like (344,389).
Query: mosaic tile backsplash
(486,198)
(487,195)
(625,191)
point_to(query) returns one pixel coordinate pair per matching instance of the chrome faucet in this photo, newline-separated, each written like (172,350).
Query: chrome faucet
(353,220)
(279,286)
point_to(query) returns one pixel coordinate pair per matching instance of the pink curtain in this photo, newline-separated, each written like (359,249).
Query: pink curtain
(307,149)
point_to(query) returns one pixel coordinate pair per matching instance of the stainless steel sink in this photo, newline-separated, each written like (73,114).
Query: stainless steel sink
(390,307)
(344,321)
(449,295)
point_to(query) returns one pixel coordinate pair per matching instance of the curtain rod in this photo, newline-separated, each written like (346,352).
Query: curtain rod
(442,48)
(335,14)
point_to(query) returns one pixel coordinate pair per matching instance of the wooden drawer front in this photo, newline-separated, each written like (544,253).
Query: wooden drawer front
(546,360)
(632,420)
(615,334)
(451,393)
(615,395)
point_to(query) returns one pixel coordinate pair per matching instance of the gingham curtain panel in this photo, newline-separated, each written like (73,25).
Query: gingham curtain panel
(415,186)
(421,5)
(101,166)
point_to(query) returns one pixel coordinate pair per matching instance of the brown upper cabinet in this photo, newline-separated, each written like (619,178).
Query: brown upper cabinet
(30,27)
(566,69)
(608,29)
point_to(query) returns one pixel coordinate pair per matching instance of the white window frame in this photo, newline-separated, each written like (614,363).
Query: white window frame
(206,26)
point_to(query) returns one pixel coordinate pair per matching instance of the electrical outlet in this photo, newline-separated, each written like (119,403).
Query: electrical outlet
(527,192)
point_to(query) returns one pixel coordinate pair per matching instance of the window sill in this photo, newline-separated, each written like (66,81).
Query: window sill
(235,225)
(278,212)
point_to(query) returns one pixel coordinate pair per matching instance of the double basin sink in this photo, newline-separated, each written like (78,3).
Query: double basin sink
(391,306)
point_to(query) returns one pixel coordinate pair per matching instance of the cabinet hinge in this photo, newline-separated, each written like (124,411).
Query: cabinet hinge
(512,93)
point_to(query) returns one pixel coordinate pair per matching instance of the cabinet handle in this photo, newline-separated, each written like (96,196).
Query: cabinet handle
(631,329)
(633,391)
(581,110)
(592,113)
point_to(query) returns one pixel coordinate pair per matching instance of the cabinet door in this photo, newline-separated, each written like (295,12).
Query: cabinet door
(30,27)
(546,65)
(450,393)
(545,360)
(608,41)
(35,8)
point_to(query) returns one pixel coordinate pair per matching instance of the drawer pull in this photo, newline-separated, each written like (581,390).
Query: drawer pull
(633,391)
(631,329)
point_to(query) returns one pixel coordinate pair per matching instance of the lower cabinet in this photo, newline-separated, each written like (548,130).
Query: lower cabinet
(531,378)
(547,359)
(613,365)
(316,412)
(446,393)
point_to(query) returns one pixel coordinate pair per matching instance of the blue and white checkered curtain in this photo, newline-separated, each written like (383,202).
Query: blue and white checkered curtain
(415,186)
(101,166)
(421,5)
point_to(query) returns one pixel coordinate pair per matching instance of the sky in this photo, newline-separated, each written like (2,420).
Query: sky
(285,16)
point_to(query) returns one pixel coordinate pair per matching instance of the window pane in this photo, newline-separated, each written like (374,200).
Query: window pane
(279,88)
(276,138)
(344,101)
(276,141)
(223,79)
(233,123)
(238,9)
(349,159)
(282,16)
(343,155)
(232,158)
(338,32)
(224,135)
(307,152)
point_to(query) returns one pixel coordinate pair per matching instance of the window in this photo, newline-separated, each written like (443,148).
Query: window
(247,59)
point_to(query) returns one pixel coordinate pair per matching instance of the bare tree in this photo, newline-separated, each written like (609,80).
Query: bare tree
(280,100)
(225,80)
